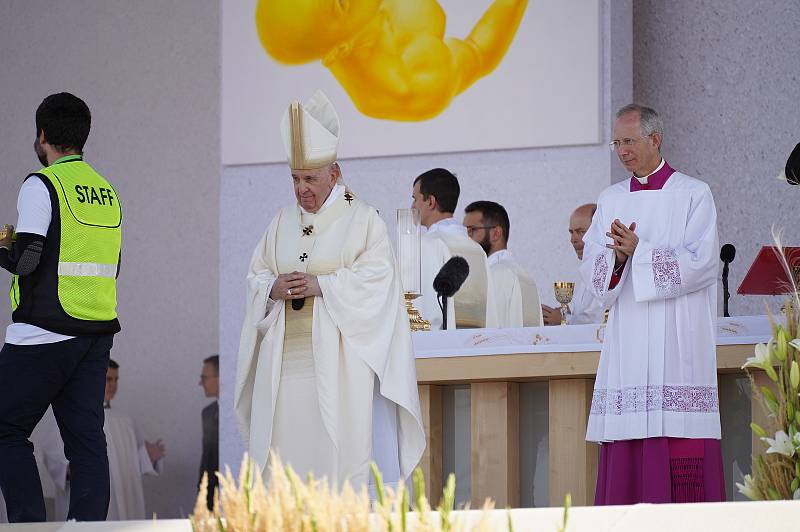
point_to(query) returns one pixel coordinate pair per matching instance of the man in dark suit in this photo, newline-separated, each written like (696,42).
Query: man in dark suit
(209,461)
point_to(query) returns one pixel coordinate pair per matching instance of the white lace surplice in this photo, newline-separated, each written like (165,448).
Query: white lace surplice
(657,373)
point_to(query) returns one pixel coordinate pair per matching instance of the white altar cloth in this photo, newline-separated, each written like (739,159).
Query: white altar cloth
(736,330)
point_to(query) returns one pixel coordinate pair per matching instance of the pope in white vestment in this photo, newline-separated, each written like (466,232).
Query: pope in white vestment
(326,375)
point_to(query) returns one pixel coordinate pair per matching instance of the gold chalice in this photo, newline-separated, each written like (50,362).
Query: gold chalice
(564,291)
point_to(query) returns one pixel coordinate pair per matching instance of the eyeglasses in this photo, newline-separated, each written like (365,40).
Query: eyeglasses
(615,144)
(472,228)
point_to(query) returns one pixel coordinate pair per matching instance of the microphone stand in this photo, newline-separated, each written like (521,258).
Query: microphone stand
(726,295)
(444,311)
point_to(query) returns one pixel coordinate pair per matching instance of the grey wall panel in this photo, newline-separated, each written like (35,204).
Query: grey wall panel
(149,71)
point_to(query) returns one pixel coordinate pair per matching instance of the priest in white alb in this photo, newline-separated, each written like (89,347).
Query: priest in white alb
(433,255)
(651,255)
(516,293)
(325,375)
(584,308)
(129,458)
(435,194)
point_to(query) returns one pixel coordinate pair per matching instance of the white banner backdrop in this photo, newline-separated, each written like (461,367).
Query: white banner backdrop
(545,91)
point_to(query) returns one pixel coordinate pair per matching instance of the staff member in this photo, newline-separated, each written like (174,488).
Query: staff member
(65,259)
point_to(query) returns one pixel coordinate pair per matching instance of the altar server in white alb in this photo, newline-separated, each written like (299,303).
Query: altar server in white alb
(435,194)
(130,457)
(326,374)
(516,294)
(651,255)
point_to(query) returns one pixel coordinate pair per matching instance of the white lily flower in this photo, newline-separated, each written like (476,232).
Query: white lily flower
(761,358)
(782,444)
(748,489)
(795,343)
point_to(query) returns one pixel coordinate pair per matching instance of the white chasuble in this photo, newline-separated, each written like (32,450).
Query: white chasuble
(657,374)
(516,294)
(313,384)
(475,303)
(433,254)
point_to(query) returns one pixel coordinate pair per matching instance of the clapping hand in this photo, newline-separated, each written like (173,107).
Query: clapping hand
(625,240)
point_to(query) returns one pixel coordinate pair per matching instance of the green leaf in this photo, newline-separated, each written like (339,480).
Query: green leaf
(773,494)
(797,468)
(404,509)
(771,373)
(447,502)
(790,414)
(794,375)
(757,430)
(418,479)
(795,484)
(769,399)
(376,475)
(782,344)
(510,524)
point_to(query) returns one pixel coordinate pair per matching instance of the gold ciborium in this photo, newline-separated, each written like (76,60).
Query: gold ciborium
(416,321)
(564,291)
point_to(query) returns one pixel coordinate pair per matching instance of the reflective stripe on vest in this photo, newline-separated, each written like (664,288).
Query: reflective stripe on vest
(87,269)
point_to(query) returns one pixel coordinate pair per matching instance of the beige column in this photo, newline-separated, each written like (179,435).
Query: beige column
(430,399)
(495,443)
(573,461)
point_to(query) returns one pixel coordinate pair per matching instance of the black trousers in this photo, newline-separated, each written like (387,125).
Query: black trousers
(71,376)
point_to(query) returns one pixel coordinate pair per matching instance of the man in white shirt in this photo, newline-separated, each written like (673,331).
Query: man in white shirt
(516,294)
(435,194)
(585,308)
(65,260)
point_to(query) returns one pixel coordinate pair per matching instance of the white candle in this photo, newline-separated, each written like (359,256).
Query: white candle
(408,249)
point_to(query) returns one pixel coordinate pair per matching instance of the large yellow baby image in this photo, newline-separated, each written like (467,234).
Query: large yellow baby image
(390,56)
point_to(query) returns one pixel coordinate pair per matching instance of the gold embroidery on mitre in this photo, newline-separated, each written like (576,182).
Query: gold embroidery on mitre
(296,124)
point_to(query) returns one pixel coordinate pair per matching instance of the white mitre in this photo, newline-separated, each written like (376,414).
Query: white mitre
(310,133)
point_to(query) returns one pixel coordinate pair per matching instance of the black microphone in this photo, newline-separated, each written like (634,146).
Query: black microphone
(451,276)
(792,170)
(726,255)
(448,281)
(297,304)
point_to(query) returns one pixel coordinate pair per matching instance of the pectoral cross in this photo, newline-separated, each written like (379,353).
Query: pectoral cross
(303,257)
